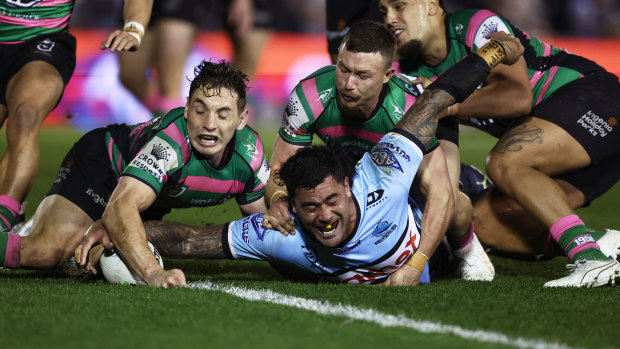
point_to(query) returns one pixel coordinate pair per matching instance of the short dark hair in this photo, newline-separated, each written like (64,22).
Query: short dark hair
(209,75)
(369,36)
(310,166)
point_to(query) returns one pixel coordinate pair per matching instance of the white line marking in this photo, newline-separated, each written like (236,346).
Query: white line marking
(371,315)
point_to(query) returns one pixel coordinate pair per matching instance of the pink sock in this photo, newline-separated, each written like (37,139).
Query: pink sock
(11,258)
(13,205)
(559,227)
(464,240)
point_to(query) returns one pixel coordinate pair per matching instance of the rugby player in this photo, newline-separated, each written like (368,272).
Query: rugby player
(38,57)
(339,232)
(555,115)
(200,155)
(355,103)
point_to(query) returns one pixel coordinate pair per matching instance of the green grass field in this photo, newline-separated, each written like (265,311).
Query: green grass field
(247,305)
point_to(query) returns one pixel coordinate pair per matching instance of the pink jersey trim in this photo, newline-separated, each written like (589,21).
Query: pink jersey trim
(474,23)
(312,96)
(49,23)
(197,183)
(339,131)
(552,73)
(173,132)
(257,159)
(409,101)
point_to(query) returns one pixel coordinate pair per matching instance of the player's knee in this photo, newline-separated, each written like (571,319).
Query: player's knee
(498,167)
(26,120)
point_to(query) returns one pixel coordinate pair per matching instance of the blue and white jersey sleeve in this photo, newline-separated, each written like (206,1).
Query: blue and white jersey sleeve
(396,158)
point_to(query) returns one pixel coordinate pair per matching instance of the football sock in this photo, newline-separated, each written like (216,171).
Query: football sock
(9,209)
(9,249)
(597,234)
(574,237)
(463,241)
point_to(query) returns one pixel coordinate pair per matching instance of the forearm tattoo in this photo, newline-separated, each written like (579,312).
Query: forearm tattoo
(179,241)
(421,119)
(515,139)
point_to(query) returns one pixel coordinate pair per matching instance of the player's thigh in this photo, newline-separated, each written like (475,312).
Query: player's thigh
(38,85)
(58,227)
(539,144)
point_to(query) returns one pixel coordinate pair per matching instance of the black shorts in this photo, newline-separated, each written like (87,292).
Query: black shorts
(589,110)
(342,14)
(57,49)
(86,177)
(193,11)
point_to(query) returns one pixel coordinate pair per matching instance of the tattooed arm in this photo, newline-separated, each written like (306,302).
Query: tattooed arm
(181,241)
(457,83)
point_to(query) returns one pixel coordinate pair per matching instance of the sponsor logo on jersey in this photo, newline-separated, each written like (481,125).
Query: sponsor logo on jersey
(291,121)
(263,172)
(384,157)
(596,125)
(245,230)
(23,3)
(46,46)
(458,28)
(257,224)
(98,199)
(374,198)
(312,257)
(175,191)
(490,25)
(210,202)
(383,230)
(398,111)
(155,159)
(326,94)
(251,150)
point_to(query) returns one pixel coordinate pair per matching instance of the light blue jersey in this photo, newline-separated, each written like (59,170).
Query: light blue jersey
(386,233)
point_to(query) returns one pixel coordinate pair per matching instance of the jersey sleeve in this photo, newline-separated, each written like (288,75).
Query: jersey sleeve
(247,239)
(256,188)
(481,24)
(297,118)
(396,158)
(158,158)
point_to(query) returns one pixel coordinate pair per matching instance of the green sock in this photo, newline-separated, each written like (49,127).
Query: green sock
(579,244)
(4,239)
(597,234)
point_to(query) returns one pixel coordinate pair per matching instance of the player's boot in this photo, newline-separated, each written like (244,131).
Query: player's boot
(589,273)
(472,181)
(610,243)
(474,263)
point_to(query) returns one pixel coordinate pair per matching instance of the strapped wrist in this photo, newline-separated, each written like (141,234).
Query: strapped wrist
(418,261)
(275,196)
(135,29)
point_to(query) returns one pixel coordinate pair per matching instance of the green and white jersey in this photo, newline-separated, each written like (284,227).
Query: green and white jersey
(159,154)
(312,109)
(549,67)
(21,20)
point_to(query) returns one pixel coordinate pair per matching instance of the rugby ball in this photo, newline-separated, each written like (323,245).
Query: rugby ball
(116,272)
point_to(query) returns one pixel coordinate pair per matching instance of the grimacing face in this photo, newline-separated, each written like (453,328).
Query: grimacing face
(212,122)
(327,212)
(359,79)
(407,20)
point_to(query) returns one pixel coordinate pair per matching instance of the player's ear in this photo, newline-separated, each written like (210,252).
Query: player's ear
(432,7)
(388,74)
(243,119)
(347,187)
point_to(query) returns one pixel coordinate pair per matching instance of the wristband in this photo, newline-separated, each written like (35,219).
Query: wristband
(417,262)
(492,52)
(135,29)
(271,200)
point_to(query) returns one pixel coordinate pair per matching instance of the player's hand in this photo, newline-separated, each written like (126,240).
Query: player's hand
(512,46)
(86,255)
(167,278)
(120,40)
(404,276)
(421,80)
(279,218)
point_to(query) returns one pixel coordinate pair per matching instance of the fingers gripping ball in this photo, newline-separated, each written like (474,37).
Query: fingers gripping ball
(116,272)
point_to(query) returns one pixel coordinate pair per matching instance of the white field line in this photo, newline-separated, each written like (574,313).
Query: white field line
(371,315)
